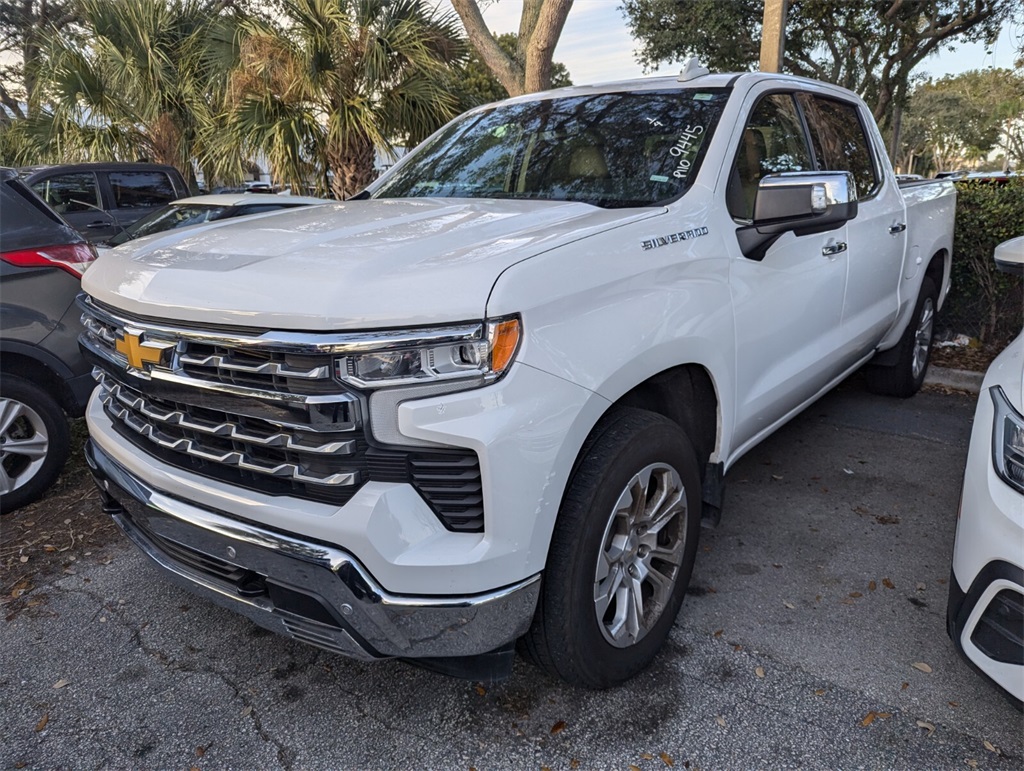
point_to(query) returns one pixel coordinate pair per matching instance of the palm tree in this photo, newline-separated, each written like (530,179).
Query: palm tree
(146,79)
(337,80)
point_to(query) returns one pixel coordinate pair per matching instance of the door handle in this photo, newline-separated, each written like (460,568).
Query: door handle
(830,249)
(899,227)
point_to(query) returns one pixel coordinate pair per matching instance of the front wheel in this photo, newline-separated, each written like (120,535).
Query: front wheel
(621,554)
(905,377)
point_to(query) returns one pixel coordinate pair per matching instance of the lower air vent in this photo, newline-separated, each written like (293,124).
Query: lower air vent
(1000,632)
(449,482)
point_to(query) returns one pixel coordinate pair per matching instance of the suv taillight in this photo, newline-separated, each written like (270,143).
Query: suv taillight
(74,258)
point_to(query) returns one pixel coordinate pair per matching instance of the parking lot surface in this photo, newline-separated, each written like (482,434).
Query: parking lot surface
(813,636)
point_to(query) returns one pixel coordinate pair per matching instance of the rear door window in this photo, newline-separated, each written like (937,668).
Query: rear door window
(68,193)
(140,189)
(839,141)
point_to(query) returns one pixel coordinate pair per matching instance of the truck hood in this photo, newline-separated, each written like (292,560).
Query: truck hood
(352,265)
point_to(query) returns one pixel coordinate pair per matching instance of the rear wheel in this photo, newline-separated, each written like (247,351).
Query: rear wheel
(34,442)
(904,377)
(621,554)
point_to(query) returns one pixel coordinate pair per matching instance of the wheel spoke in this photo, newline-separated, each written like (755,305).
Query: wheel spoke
(10,411)
(635,616)
(33,447)
(604,591)
(6,483)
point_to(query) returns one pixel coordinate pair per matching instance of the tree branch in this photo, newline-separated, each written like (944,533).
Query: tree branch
(507,71)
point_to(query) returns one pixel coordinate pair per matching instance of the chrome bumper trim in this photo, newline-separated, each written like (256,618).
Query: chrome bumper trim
(359,618)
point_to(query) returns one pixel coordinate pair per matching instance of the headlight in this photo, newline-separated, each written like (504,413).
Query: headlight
(478,354)
(1008,441)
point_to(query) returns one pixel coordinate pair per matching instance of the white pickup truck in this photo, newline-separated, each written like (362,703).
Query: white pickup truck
(492,398)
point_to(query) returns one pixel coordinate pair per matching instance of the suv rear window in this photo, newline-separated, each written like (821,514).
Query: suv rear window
(69,192)
(141,189)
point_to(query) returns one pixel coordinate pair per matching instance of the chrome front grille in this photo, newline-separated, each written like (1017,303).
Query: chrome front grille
(263,412)
(248,443)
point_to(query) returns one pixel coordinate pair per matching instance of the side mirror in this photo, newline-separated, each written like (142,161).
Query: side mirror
(1009,256)
(803,202)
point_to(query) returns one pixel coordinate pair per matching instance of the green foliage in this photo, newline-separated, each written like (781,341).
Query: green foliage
(869,47)
(149,84)
(476,85)
(961,117)
(983,300)
(329,81)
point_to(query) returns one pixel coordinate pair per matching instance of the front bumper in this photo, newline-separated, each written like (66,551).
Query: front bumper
(302,589)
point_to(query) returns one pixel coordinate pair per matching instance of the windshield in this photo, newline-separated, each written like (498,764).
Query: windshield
(610,150)
(169,218)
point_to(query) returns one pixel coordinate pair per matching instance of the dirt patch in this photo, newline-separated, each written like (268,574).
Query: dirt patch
(54,534)
(971,358)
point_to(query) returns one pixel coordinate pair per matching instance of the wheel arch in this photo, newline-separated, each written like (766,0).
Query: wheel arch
(17,363)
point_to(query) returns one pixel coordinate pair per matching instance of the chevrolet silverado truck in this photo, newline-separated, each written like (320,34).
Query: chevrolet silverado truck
(492,398)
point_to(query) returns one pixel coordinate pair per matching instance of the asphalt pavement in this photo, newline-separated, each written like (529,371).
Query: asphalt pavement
(813,636)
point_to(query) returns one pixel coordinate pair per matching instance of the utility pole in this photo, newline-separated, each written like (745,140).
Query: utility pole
(773,35)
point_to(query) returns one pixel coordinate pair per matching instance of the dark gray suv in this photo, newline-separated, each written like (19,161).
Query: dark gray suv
(43,377)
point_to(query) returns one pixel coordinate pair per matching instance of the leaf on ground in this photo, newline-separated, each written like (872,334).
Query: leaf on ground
(558,727)
(872,586)
(868,719)
(904,686)
(481,690)
(61,683)
(737,648)
(855,595)
(789,605)
(718,632)
(971,762)
(888,584)
(574,763)
(646,756)
(42,722)
(991,747)
(922,667)
(820,692)
(921,587)
(953,703)
(759,671)
(720,720)
(884,715)
(666,759)
(929,727)
(246,711)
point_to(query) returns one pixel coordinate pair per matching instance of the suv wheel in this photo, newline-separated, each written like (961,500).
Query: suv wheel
(34,442)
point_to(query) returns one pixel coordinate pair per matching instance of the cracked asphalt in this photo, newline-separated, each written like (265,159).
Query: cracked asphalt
(824,585)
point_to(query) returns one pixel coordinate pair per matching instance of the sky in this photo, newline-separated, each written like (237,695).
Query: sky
(596,44)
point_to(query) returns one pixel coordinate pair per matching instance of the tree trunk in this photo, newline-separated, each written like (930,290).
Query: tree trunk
(352,166)
(539,29)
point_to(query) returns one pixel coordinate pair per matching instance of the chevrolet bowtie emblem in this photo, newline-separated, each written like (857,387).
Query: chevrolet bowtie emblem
(138,352)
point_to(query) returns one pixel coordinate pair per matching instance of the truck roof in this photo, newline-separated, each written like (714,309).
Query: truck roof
(669,82)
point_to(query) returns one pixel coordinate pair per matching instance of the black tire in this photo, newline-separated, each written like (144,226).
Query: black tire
(30,417)
(568,639)
(904,377)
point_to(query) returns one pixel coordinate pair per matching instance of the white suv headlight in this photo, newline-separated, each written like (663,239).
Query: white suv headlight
(1007,441)
(477,354)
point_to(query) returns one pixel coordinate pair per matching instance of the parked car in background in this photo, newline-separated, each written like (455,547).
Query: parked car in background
(985,613)
(99,199)
(188,212)
(43,377)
